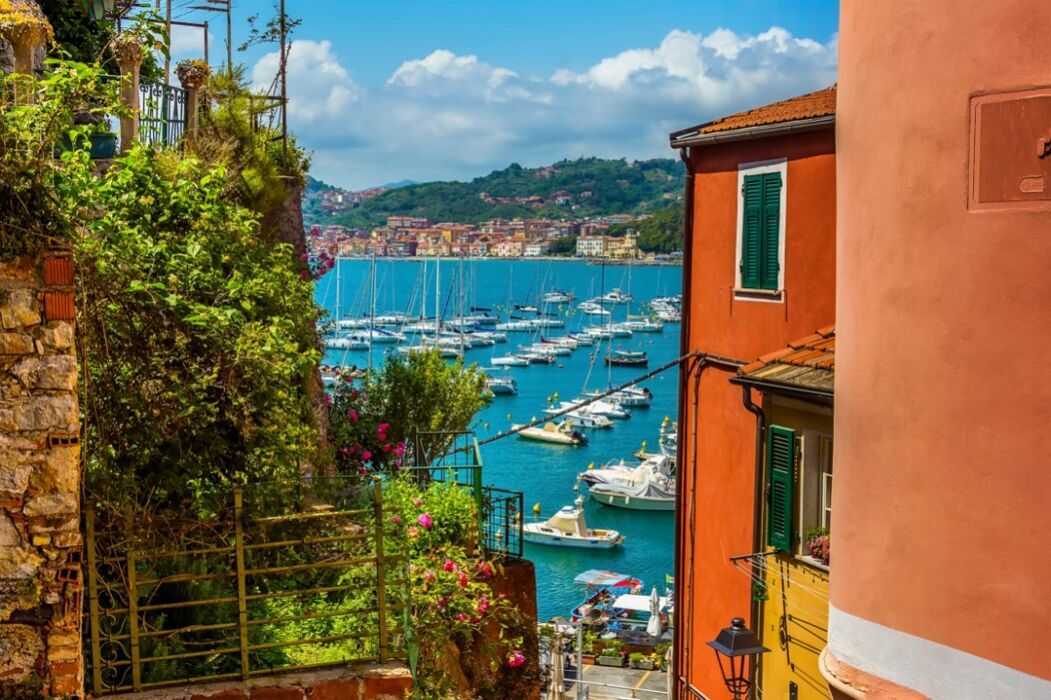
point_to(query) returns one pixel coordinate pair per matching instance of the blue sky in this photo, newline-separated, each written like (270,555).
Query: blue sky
(417,89)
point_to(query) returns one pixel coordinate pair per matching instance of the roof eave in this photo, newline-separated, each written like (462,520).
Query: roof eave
(822,396)
(694,137)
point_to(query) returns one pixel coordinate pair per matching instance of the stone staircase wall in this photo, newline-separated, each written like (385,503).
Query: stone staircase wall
(41,589)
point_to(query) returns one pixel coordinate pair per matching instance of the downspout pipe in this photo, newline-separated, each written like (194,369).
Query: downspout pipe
(684,370)
(757,517)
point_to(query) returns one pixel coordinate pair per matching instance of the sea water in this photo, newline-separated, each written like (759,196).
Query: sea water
(546,474)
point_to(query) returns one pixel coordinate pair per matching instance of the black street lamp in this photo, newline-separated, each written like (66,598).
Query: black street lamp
(737,643)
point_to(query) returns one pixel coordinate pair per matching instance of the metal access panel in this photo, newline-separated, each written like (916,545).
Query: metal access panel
(1011,150)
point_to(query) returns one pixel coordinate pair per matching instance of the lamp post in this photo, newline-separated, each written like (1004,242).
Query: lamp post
(738,644)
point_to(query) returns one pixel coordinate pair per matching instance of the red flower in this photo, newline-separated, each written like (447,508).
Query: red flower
(515,659)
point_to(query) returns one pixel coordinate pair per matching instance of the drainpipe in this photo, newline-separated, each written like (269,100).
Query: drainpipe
(757,519)
(684,369)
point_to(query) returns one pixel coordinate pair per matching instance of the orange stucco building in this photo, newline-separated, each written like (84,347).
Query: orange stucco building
(759,272)
(942,584)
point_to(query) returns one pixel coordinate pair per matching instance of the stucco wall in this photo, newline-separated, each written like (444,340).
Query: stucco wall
(717,483)
(942,385)
(40,543)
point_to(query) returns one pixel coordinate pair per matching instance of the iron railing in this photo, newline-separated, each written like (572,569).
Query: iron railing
(280,579)
(459,460)
(162,113)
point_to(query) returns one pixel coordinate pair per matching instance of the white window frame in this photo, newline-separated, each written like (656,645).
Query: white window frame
(777,165)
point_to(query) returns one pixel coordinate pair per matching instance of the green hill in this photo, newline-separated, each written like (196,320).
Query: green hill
(661,233)
(595,187)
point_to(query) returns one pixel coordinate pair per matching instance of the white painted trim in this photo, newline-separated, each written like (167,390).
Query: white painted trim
(778,165)
(936,670)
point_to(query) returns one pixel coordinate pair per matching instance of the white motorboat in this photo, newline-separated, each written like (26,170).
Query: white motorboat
(568,528)
(548,323)
(346,342)
(622,473)
(557,297)
(615,297)
(600,332)
(592,309)
(656,492)
(548,349)
(509,361)
(631,396)
(555,433)
(601,407)
(582,417)
(501,385)
(582,339)
(620,330)
(643,325)
(516,327)
(378,336)
(537,358)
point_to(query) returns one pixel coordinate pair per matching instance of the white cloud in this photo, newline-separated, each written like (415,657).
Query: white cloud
(188,42)
(319,87)
(449,115)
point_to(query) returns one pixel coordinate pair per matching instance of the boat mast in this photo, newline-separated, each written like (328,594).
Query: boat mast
(437,293)
(338,290)
(372,314)
(609,327)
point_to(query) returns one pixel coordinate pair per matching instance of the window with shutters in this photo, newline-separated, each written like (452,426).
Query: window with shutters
(780,492)
(761,229)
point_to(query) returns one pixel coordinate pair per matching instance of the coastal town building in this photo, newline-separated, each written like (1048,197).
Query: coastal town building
(790,570)
(941,383)
(591,246)
(759,272)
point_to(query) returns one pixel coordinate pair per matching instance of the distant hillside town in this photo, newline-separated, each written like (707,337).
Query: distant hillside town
(587,207)
(614,236)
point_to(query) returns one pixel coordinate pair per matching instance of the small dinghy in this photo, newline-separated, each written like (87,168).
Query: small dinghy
(567,528)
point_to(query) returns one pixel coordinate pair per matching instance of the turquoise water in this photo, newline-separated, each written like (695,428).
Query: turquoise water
(546,474)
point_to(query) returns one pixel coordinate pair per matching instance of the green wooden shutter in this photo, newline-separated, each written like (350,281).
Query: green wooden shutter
(780,468)
(752,232)
(771,264)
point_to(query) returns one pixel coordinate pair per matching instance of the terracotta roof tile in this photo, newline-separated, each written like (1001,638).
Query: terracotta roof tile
(809,362)
(813,104)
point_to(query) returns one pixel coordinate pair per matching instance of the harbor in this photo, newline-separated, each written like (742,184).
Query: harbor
(521,292)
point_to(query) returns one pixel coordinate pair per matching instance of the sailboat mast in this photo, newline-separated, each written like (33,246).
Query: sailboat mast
(372,313)
(338,289)
(437,293)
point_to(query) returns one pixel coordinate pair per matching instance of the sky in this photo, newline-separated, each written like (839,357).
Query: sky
(387,90)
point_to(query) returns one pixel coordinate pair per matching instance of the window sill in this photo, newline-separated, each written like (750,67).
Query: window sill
(774,295)
(813,562)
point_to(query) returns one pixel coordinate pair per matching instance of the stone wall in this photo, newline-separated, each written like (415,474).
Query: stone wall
(40,541)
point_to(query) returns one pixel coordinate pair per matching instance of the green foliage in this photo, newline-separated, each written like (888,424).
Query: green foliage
(197,355)
(418,393)
(79,38)
(33,213)
(236,133)
(661,233)
(616,186)
(566,245)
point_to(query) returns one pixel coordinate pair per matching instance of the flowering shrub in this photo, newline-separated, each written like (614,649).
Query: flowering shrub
(361,439)
(818,543)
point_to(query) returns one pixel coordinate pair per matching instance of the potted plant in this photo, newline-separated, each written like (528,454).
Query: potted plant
(611,654)
(660,653)
(641,661)
(587,650)
(103,142)
(818,544)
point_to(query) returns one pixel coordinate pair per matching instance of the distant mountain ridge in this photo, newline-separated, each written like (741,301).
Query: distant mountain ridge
(567,189)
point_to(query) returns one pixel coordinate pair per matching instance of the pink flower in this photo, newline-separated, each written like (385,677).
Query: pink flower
(425,521)
(485,569)
(366,455)
(482,606)
(417,502)
(387,448)
(462,617)
(382,427)
(328,399)
(463,580)
(304,256)
(395,519)
(399,450)
(412,532)
(515,659)
(352,414)
(449,565)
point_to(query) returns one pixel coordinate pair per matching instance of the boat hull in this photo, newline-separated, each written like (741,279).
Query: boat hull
(579,543)
(633,502)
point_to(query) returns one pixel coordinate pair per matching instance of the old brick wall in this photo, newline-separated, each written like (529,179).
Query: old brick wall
(40,541)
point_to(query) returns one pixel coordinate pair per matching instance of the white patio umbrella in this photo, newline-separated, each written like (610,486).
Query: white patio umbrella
(653,626)
(556,689)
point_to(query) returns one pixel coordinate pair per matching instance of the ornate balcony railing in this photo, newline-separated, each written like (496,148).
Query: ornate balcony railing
(162,113)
